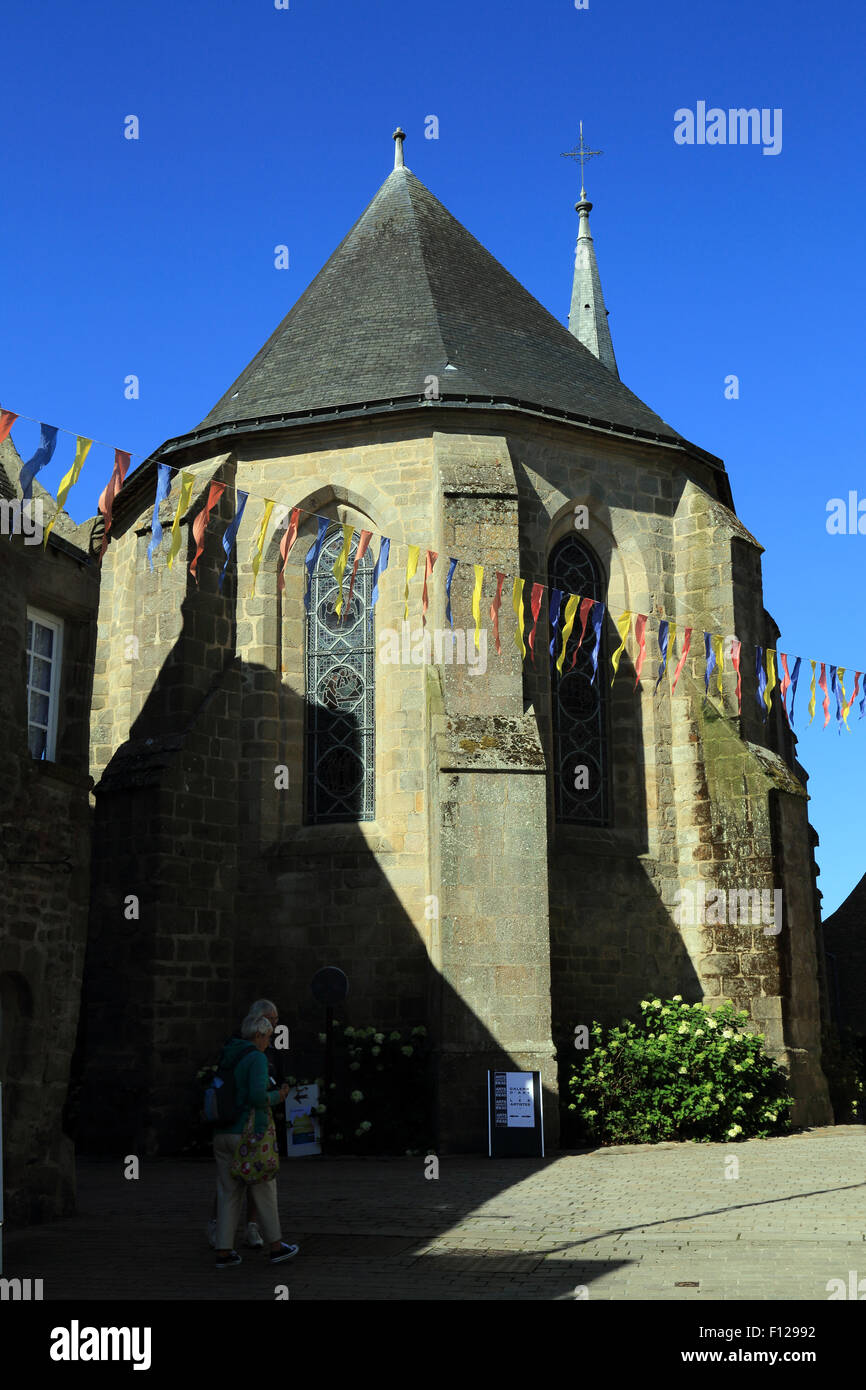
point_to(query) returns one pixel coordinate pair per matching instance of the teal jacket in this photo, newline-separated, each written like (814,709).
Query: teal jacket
(251,1086)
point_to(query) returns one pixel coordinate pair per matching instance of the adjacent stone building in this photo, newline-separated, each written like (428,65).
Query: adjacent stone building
(47,639)
(845,943)
(499,854)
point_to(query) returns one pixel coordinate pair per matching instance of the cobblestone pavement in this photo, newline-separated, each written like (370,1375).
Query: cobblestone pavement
(659,1222)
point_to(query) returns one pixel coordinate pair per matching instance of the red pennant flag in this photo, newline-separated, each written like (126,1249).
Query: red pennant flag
(110,491)
(286,545)
(640,623)
(823,684)
(429,561)
(585,605)
(199,526)
(494,611)
(7,420)
(366,537)
(736,647)
(687,642)
(535,609)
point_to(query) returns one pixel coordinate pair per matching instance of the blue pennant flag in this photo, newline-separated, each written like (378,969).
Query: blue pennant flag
(47,443)
(163,488)
(710,658)
(452,565)
(834,686)
(381,566)
(795,676)
(597,620)
(664,632)
(230,534)
(555,606)
(762,681)
(313,556)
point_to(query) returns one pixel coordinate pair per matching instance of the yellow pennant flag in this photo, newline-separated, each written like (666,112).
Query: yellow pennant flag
(476,602)
(846,704)
(340,564)
(68,481)
(771,677)
(186,482)
(567,624)
(517,605)
(623,624)
(812,694)
(414,552)
(259,543)
(718,644)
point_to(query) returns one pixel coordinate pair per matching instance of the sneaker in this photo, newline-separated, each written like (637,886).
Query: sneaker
(225,1261)
(254,1236)
(285,1252)
(211,1233)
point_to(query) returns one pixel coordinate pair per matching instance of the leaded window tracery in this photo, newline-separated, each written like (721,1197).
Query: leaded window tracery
(578,705)
(340,693)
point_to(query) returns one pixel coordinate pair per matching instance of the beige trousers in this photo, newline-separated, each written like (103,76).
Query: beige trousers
(230,1196)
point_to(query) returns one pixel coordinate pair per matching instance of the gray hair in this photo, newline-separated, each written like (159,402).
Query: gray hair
(262,1006)
(255,1025)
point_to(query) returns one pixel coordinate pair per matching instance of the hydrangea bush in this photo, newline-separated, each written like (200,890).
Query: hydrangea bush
(682,1072)
(381,1099)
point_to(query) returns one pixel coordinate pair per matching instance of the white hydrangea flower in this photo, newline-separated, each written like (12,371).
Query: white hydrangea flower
(727,1032)
(734,1131)
(678,998)
(683,1028)
(357,1095)
(684,1071)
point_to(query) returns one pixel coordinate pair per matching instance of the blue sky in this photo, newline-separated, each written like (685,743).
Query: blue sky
(260,127)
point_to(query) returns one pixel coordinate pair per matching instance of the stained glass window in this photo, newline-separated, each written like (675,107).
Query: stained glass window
(340,693)
(580,770)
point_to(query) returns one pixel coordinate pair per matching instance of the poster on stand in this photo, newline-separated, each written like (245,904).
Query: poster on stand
(515,1125)
(303,1130)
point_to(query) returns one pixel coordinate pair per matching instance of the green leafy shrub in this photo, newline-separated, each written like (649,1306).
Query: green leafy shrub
(380,1101)
(682,1072)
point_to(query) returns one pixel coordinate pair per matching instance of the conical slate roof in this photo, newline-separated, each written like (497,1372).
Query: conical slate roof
(409,294)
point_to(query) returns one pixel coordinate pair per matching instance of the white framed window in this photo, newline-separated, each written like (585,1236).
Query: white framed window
(44,657)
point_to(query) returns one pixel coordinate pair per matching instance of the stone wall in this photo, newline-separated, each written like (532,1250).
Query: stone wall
(463,904)
(44,860)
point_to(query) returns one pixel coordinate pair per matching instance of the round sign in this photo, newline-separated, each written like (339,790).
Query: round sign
(330,985)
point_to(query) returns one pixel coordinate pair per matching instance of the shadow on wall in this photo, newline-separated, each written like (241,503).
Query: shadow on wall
(228,907)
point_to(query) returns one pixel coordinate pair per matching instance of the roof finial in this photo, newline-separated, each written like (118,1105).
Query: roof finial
(399,136)
(587,320)
(582,153)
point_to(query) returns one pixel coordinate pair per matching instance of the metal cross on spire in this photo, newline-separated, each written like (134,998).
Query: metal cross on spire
(582,153)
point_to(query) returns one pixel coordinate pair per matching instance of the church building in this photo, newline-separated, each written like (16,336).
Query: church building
(487,844)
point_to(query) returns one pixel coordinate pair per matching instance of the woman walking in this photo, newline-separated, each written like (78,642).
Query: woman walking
(251,1091)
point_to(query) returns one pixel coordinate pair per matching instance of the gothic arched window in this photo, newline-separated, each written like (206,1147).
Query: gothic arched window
(340,694)
(580,771)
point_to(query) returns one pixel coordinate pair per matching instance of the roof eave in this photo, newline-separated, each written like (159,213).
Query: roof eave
(325,415)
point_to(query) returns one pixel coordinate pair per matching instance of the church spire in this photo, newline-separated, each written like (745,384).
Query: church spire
(587,319)
(398,137)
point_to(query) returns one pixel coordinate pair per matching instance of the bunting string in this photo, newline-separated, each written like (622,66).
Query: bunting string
(563,609)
